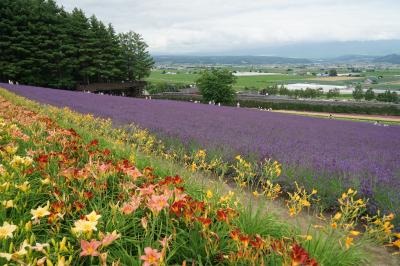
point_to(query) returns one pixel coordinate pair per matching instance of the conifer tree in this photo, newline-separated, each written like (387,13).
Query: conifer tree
(137,60)
(42,44)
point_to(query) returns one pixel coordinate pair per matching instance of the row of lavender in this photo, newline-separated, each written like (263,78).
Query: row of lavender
(339,152)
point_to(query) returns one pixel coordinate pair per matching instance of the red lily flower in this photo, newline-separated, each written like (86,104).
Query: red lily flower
(258,243)
(106,152)
(245,240)
(205,221)
(300,256)
(222,216)
(235,234)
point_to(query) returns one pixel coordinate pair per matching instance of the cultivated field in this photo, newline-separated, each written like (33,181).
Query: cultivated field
(389,78)
(111,196)
(242,81)
(330,154)
(335,78)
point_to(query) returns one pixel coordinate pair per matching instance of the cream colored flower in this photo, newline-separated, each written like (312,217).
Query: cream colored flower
(40,212)
(61,261)
(7,230)
(84,226)
(8,204)
(23,187)
(2,170)
(22,250)
(40,247)
(6,256)
(93,217)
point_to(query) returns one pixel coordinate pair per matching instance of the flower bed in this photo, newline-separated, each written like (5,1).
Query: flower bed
(89,196)
(329,155)
(67,201)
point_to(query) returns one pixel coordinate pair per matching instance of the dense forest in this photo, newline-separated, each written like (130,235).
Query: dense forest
(43,44)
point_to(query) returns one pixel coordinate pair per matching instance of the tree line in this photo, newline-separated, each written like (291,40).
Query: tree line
(42,44)
(358,93)
(217,85)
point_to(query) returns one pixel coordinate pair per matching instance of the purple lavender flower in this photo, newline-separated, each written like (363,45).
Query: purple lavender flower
(352,151)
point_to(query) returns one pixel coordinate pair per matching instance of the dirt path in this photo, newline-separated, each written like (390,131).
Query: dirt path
(372,118)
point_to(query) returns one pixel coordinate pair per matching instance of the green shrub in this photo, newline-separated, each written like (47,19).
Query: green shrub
(216,85)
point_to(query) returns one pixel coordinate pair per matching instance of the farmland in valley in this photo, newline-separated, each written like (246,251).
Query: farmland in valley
(157,76)
(182,75)
(329,154)
(337,78)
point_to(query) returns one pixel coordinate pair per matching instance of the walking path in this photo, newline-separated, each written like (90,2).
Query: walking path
(361,117)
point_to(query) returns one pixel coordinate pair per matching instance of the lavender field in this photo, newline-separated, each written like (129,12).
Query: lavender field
(342,152)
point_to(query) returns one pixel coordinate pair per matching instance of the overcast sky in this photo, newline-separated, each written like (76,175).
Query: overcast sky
(213,26)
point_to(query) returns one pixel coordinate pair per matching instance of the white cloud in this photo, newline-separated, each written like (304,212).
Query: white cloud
(185,26)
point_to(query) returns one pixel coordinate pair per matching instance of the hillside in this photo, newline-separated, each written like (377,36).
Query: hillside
(228,60)
(392,58)
(266,60)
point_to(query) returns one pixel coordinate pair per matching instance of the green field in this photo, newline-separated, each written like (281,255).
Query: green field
(156,76)
(242,82)
(390,78)
(263,81)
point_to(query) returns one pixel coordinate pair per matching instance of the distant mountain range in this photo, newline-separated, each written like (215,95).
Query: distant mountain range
(265,60)
(351,59)
(228,60)
(392,58)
